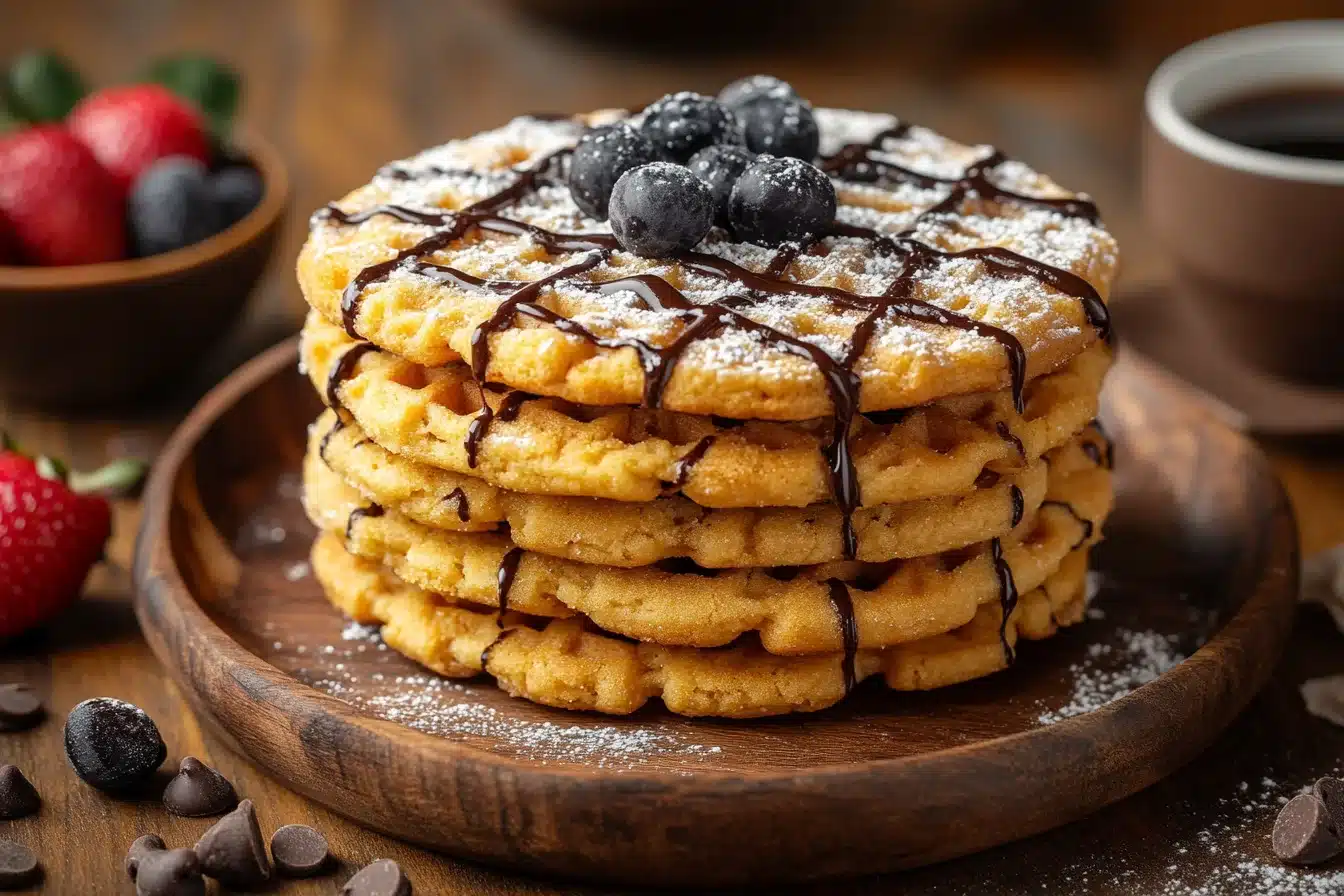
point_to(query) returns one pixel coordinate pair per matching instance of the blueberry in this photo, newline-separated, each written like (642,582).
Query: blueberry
(660,209)
(781,200)
(112,744)
(719,167)
(236,190)
(171,206)
(745,91)
(680,124)
(600,158)
(781,128)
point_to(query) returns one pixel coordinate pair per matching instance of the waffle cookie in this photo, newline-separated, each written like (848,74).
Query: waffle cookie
(732,403)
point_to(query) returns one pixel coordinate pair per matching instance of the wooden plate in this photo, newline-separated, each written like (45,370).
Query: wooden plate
(1202,549)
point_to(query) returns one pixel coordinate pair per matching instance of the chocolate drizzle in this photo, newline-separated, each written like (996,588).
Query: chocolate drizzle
(508,409)
(1007,435)
(508,570)
(856,162)
(359,513)
(1007,596)
(342,371)
(1019,506)
(1082,520)
(849,629)
(459,497)
(681,472)
(326,439)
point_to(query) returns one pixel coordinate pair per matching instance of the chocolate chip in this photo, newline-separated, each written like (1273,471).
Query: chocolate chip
(232,851)
(17,797)
(299,851)
(170,872)
(383,877)
(198,790)
(142,847)
(1303,833)
(20,707)
(18,866)
(112,744)
(1331,792)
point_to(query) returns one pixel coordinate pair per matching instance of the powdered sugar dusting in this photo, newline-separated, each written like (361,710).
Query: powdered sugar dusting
(1112,671)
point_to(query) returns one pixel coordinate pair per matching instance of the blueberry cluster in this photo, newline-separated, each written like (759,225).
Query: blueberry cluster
(742,160)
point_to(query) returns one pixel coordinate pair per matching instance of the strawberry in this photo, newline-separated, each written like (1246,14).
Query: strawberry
(62,207)
(53,526)
(10,251)
(130,128)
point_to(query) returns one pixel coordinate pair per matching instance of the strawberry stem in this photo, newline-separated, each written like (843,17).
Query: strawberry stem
(119,479)
(51,468)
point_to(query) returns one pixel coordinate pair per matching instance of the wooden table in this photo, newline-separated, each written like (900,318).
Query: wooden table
(345,86)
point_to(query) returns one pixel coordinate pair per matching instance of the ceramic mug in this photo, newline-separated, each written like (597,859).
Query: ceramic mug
(1256,237)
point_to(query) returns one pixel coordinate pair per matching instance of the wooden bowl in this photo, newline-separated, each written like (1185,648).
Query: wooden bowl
(1202,548)
(100,333)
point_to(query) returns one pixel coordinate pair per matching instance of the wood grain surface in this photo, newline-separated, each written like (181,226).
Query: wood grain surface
(343,85)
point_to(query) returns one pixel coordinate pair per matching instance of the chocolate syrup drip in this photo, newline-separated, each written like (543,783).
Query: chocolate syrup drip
(373,510)
(703,321)
(509,406)
(681,472)
(1019,505)
(1007,435)
(1007,595)
(849,629)
(1082,520)
(460,498)
(342,370)
(508,570)
(503,633)
(326,439)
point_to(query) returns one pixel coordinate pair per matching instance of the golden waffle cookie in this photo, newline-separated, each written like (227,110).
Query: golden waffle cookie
(565,663)
(795,610)
(633,454)
(432,261)
(617,533)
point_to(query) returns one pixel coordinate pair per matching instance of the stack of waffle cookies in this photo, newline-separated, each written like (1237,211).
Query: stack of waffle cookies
(740,479)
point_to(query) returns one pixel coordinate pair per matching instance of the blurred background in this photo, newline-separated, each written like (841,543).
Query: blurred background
(342,86)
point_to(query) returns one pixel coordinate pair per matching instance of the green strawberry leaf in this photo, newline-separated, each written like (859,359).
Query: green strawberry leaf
(210,85)
(42,86)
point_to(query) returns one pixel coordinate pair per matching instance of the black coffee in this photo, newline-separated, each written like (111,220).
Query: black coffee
(1305,121)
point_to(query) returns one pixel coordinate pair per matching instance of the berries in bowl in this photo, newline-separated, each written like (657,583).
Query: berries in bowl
(134,222)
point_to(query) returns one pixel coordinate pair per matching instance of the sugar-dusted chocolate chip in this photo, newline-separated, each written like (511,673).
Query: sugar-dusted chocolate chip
(299,851)
(142,847)
(18,866)
(18,797)
(198,791)
(233,852)
(170,872)
(1331,792)
(20,707)
(112,744)
(1303,832)
(383,877)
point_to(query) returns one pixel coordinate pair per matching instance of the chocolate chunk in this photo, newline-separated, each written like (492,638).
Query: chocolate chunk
(1303,832)
(18,866)
(142,847)
(232,851)
(1331,792)
(198,790)
(383,877)
(112,744)
(170,872)
(17,797)
(299,851)
(20,707)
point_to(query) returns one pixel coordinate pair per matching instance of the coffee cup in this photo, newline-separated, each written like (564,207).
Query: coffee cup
(1243,184)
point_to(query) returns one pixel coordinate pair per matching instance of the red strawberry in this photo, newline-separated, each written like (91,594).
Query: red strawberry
(52,530)
(130,128)
(63,207)
(10,251)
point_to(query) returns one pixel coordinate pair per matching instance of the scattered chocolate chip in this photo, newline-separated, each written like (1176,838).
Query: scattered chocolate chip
(1331,792)
(17,796)
(20,707)
(112,744)
(383,877)
(1303,833)
(169,872)
(232,851)
(198,791)
(299,851)
(142,847)
(18,866)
